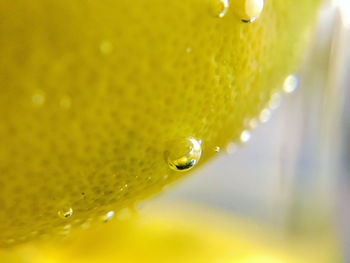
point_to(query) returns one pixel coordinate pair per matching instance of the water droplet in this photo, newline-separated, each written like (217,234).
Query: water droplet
(265,115)
(253,123)
(231,148)
(291,83)
(65,213)
(217,149)
(223,7)
(106,47)
(250,10)
(245,136)
(275,101)
(184,155)
(38,98)
(108,217)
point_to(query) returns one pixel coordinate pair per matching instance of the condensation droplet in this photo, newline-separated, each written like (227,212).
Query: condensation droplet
(183,156)
(291,83)
(38,98)
(265,115)
(275,101)
(253,123)
(245,136)
(106,47)
(251,10)
(65,213)
(231,148)
(108,217)
(223,9)
(217,149)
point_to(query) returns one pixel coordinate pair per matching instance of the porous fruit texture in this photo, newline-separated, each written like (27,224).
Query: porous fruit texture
(95,93)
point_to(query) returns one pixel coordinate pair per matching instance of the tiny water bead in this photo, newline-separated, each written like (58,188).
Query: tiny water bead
(291,83)
(265,115)
(184,155)
(253,123)
(275,101)
(224,6)
(245,136)
(65,213)
(108,217)
(231,148)
(249,10)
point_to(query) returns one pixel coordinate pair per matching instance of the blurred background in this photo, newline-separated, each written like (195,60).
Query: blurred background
(299,179)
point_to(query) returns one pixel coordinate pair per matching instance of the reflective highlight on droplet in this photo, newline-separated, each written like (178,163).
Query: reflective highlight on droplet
(275,101)
(184,155)
(252,9)
(217,149)
(245,136)
(65,213)
(224,6)
(291,83)
(265,115)
(108,217)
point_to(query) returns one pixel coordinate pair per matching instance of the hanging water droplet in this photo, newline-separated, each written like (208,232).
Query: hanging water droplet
(245,136)
(265,115)
(108,217)
(291,83)
(217,149)
(275,101)
(231,148)
(183,156)
(65,213)
(223,6)
(249,10)
(253,123)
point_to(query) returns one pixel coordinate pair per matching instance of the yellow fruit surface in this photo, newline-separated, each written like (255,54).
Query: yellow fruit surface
(178,235)
(95,94)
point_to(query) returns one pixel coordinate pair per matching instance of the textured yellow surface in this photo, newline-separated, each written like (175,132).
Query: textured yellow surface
(94,94)
(176,235)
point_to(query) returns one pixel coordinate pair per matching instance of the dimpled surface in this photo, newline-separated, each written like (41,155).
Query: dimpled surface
(93,93)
